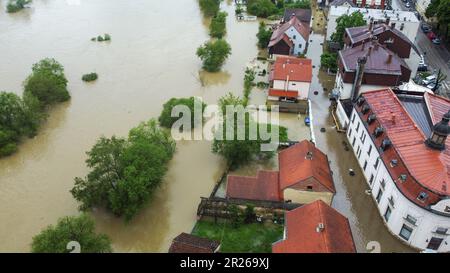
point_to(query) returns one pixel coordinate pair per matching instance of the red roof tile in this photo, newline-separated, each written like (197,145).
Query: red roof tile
(429,167)
(263,187)
(297,69)
(302,235)
(187,243)
(282,93)
(295,168)
(279,33)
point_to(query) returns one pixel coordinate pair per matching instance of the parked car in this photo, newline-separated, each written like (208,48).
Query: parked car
(436,41)
(431,85)
(431,35)
(425,28)
(429,79)
(408,5)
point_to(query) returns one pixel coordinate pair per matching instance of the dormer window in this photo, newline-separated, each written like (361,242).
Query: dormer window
(422,196)
(378,131)
(394,162)
(371,118)
(385,144)
(360,101)
(402,178)
(365,109)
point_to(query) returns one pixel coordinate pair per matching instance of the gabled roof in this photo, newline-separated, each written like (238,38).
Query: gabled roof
(304,15)
(297,69)
(301,162)
(429,167)
(187,243)
(262,187)
(278,34)
(377,59)
(342,2)
(303,236)
(362,33)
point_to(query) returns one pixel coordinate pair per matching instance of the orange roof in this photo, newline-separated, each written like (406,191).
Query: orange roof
(295,167)
(297,69)
(282,93)
(279,33)
(303,236)
(429,167)
(263,187)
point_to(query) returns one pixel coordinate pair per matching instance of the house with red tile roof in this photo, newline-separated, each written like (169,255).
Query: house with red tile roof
(187,243)
(263,187)
(315,228)
(290,80)
(290,38)
(400,141)
(304,176)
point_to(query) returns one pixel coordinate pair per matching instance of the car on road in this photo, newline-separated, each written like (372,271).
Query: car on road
(436,41)
(431,35)
(428,80)
(425,28)
(408,5)
(431,86)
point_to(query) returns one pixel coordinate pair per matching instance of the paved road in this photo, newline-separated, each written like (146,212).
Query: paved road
(437,57)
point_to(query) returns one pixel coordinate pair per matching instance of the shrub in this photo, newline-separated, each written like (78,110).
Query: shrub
(209,7)
(89,77)
(263,35)
(217,29)
(213,54)
(166,119)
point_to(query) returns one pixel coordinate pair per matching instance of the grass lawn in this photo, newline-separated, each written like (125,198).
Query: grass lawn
(247,238)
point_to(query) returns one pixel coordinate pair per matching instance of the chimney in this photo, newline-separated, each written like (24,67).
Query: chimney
(371,25)
(388,20)
(369,51)
(309,155)
(389,59)
(392,25)
(358,77)
(320,227)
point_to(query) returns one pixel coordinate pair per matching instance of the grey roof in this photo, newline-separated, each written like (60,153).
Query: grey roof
(417,109)
(304,15)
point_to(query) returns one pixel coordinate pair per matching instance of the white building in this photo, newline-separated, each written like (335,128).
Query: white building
(405,21)
(399,151)
(290,38)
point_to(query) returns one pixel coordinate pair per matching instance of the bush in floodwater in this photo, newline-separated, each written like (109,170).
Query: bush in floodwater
(89,77)
(166,119)
(16,5)
(213,54)
(101,38)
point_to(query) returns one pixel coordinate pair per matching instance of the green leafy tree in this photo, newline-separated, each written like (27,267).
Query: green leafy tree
(81,229)
(18,117)
(432,8)
(263,35)
(125,172)
(329,60)
(238,151)
(47,82)
(298,4)
(356,19)
(440,9)
(166,119)
(261,8)
(209,7)
(218,28)
(214,54)
(16,5)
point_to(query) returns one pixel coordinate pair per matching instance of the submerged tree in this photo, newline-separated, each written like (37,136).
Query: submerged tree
(77,229)
(218,28)
(209,7)
(166,119)
(125,172)
(264,34)
(214,54)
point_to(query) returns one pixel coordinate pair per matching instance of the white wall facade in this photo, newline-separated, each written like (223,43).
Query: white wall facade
(301,87)
(402,210)
(297,39)
(405,21)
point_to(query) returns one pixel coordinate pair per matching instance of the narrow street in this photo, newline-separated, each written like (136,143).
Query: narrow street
(350,199)
(436,56)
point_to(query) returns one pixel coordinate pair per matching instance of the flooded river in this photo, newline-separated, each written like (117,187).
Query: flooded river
(151,58)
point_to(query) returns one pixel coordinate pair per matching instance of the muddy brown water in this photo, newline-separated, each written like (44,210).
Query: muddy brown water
(151,58)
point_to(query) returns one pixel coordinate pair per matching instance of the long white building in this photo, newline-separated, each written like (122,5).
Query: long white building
(400,141)
(405,21)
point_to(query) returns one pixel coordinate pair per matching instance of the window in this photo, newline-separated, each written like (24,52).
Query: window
(309,188)
(387,214)
(391,201)
(411,220)
(354,140)
(357,127)
(376,163)
(353,117)
(363,138)
(394,162)
(357,151)
(365,165)
(406,232)
(370,150)
(383,184)
(379,195)
(349,133)
(434,243)
(441,230)
(371,179)
(359,154)
(422,196)
(294,37)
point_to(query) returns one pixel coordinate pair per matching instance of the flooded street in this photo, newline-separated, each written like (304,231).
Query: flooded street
(350,199)
(150,59)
